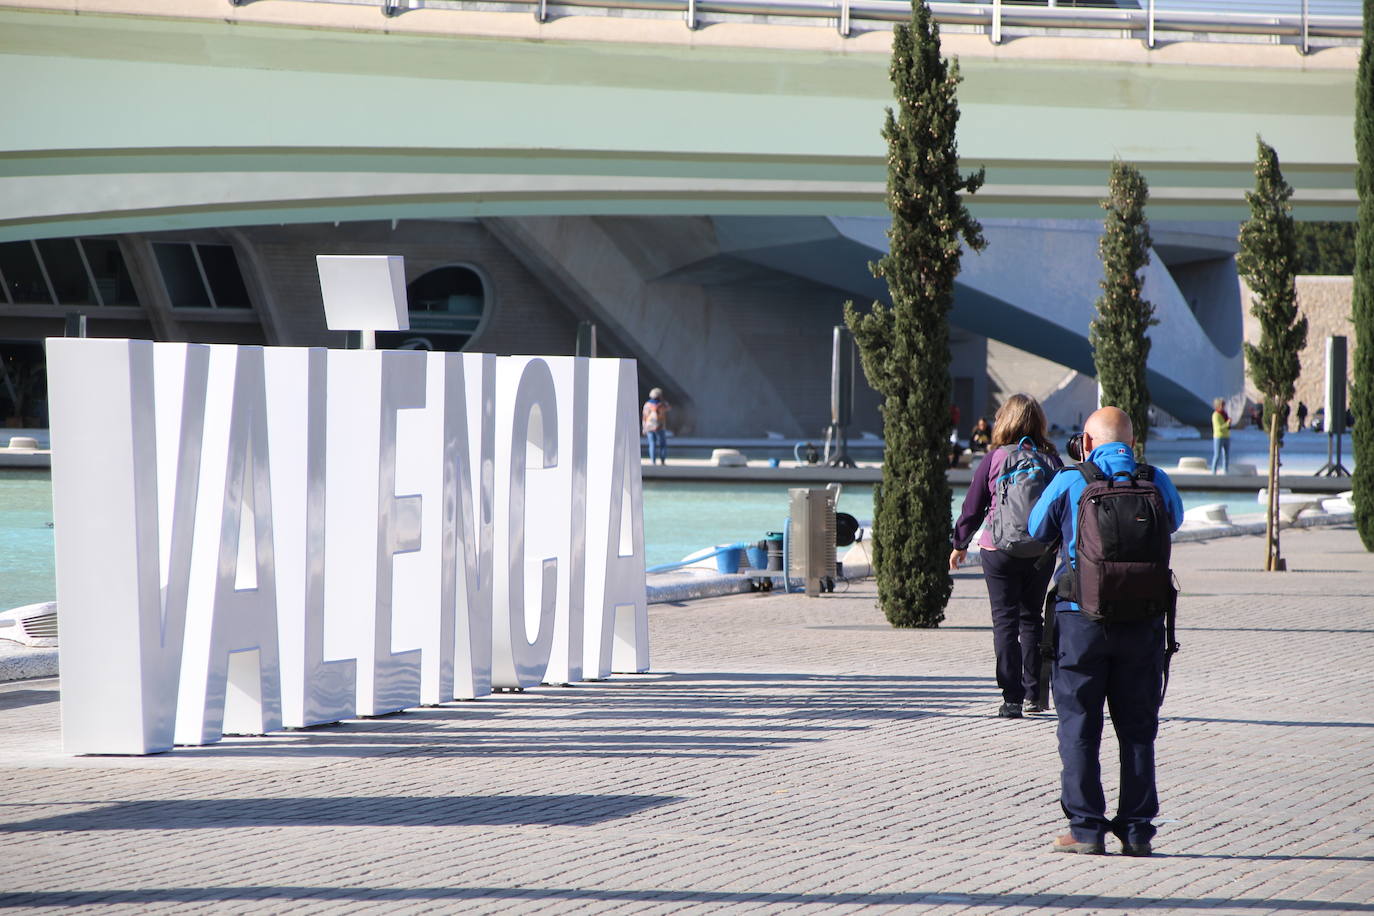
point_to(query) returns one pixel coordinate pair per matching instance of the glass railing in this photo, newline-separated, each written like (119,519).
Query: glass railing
(1297,22)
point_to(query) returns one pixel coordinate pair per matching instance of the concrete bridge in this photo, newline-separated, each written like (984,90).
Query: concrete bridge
(154,116)
(198,113)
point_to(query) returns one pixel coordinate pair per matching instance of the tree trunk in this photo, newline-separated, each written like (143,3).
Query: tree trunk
(1272,563)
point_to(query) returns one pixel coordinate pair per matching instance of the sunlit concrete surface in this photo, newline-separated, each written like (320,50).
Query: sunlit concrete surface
(785,754)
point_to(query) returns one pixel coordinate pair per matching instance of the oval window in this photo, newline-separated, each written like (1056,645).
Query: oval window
(446,306)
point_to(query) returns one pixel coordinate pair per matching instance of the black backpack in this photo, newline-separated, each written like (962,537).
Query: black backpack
(1121,572)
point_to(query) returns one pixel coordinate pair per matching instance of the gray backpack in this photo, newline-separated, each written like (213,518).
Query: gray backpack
(1025,474)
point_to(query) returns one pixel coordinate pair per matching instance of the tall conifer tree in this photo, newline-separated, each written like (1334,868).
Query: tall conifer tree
(904,347)
(1268,260)
(1362,392)
(1118,334)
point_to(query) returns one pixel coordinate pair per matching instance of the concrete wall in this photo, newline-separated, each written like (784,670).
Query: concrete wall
(1012,370)
(1326,302)
(740,350)
(523,317)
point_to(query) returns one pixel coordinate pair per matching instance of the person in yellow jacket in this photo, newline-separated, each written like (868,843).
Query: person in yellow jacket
(1221,437)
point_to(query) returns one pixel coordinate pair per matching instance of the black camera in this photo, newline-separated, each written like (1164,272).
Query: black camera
(1075,447)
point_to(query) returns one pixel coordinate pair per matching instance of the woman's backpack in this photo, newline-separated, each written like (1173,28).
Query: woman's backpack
(1025,473)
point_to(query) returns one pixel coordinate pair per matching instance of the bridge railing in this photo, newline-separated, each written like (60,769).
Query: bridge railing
(1287,21)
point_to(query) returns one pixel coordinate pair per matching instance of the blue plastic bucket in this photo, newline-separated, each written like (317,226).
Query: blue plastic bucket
(729,559)
(758,557)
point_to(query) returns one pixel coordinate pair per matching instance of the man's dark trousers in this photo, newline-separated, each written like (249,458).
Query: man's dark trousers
(1121,664)
(1016,591)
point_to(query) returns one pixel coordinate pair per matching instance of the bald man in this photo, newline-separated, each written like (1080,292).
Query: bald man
(1121,665)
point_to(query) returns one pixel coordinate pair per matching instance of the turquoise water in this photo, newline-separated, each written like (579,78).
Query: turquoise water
(680,517)
(26,560)
(683,516)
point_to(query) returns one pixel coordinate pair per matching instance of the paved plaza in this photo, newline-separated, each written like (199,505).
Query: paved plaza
(785,754)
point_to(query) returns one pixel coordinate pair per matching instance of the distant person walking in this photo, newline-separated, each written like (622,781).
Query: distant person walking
(1221,437)
(1111,650)
(1302,416)
(1017,574)
(653,420)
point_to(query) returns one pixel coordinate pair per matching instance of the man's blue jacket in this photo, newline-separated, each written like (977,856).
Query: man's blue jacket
(1055,515)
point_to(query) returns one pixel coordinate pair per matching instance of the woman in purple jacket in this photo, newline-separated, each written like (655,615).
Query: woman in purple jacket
(1016,585)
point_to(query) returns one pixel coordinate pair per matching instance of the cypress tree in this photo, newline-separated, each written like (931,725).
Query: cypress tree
(1362,391)
(1326,248)
(904,346)
(1268,260)
(1118,333)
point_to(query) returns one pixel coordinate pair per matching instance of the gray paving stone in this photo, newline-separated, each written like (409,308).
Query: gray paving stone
(786,754)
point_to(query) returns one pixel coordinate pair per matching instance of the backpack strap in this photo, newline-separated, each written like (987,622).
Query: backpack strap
(1091,472)
(1047,648)
(1171,645)
(1144,472)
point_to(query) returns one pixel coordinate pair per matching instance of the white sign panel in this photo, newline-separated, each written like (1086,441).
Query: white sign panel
(363,292)
(249,538)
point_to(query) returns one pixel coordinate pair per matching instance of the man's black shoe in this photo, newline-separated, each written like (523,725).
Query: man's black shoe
(1136,849)
(1030,706)
(1009,711)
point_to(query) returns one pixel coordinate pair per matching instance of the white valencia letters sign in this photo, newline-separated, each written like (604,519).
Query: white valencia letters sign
(252,538)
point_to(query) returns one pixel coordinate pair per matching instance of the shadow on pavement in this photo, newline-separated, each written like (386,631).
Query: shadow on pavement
(1211,721)
(713,715)
(1054,901)
(17,699)
(385,811)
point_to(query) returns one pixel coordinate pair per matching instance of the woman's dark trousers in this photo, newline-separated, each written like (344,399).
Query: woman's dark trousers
(1016,589)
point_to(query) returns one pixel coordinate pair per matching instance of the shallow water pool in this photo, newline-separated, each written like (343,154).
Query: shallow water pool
(26,559)
(680,517)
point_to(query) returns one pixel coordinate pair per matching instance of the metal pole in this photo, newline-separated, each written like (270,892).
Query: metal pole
(1150,25)
(586,339)
(997,22)
(692,14)
(541,11)
(844,18)
(1304,26)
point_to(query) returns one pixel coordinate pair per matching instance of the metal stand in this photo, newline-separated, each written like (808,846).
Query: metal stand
(1332,468)
(840,436)
(841,398)
(1335,406)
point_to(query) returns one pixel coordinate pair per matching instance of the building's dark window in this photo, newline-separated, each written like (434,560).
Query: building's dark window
(201,276)
(82,272)
(67,271)
(226,281)
(111,274)
(24,387)
(181,275)
(23,276)
(446,307)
